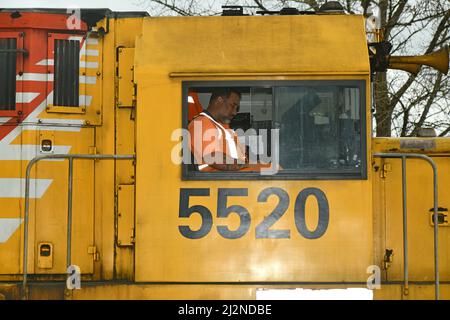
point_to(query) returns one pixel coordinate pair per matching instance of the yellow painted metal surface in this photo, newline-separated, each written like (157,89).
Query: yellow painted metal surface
(90,97)
(239,46)
(241,292)
(10,248)
(125,78)
(126,219)
(236,44)
(104,138)
(412,145)
(114,290)
(420,233)
(125,215)
(51,210)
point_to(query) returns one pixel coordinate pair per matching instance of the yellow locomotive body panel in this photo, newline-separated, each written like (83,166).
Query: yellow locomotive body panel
(235,49)
(151,229)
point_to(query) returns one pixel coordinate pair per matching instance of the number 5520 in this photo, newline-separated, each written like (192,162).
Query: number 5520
(264,228)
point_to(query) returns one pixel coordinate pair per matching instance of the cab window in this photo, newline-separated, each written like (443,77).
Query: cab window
(316,128)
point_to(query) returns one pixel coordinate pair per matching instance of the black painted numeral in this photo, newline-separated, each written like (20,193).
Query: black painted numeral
(262,230)
(223,211)
(299,213)
(186,212)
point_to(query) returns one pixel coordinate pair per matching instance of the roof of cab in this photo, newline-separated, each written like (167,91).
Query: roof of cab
(313,44)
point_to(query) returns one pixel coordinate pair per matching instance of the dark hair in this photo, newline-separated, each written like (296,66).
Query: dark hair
(224,93)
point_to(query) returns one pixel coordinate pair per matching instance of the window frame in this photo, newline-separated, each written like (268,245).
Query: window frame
(189,175)
(17,111)
(51,108)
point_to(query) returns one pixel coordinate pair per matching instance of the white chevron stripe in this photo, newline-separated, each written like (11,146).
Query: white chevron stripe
(88,80)
(83,64)
(91,52)
(26,97)
(7,227)
(92,41)
(15,187)
(4,120)
(27,152)
(45,62)
(85,100)
(34,77)
(54,128)
(49,78)
(89,64)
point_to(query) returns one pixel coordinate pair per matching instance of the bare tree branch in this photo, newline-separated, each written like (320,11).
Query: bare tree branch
(393,20)
(260,5)
(444,133)
(431,98)
(403,102)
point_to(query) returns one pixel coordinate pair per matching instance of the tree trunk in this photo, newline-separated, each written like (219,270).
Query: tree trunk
(383,114)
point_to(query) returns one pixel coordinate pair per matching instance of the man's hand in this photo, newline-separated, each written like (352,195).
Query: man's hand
(229,167)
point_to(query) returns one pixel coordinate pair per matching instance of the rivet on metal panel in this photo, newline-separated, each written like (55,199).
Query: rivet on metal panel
(98,73)
(92,150)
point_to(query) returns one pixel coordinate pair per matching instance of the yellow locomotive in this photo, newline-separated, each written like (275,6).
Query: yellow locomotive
(94,192)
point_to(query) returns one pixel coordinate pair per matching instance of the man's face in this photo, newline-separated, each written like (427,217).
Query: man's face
(229,108)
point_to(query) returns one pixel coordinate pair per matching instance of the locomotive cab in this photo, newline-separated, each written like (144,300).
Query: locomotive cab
(98,178)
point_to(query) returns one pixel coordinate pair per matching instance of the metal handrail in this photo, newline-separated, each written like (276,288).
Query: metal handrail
(403,156)
(70,157)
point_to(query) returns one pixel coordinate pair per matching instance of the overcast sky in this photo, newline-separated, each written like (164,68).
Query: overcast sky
(115,5)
